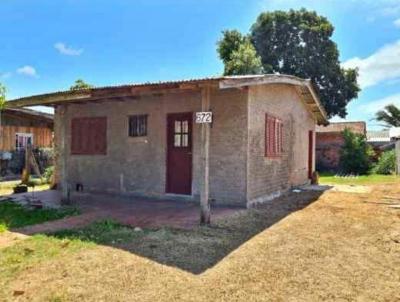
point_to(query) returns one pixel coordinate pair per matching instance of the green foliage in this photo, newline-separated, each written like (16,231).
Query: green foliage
(3,91)
(230,42)
(13,215)
(356,154)
(48,174)
(80,84)
(297,43)
(386,164)
(244,60)
(238,54)
(390,116)
(371,179)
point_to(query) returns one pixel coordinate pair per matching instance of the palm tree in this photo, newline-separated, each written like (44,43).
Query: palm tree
(390,116)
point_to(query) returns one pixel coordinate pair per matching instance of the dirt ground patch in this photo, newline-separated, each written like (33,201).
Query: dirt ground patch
(352,188)
(9,238)
(341,247)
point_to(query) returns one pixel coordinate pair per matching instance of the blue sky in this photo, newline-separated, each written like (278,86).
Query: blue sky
(47,44)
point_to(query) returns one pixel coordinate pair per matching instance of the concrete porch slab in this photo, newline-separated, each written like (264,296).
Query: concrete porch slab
(49,198)
(132,211)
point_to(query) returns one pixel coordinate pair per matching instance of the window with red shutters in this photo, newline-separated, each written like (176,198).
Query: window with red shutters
(273,136)
(89,135)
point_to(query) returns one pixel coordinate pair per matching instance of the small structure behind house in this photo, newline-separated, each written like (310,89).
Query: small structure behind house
(21,127)
(329,142)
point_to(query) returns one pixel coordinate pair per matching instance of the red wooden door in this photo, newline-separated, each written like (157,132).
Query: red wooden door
(179,153)
(310,153)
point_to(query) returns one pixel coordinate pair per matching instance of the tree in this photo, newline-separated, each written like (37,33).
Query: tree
(298,43)
(80,84)
(390,116)
(3,91)
(238,54)
(244,60)
(355,155)
(386,164)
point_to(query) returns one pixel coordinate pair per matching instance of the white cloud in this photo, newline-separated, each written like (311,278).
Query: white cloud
(28,71)
(397,23)
(374,106)
(66,50)
(381,66)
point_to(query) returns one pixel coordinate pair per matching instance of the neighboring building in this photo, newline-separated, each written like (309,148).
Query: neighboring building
(380,137)
(142,139)
(20,127)
(383,140)
(394,133)
(330,141)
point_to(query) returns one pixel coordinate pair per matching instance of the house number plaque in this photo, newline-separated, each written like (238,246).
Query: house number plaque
(203,117)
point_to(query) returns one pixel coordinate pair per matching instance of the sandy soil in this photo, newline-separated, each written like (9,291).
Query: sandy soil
(340,247)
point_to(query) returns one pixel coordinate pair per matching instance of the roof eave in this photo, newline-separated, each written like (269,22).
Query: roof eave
(96,94)
(320,115)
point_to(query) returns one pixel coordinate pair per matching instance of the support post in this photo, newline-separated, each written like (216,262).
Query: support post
(26,172)
(205,215)
(398,157)
(60,146)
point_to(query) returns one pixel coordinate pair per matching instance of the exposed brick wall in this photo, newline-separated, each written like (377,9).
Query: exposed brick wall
(239,171)
(328,146)
(137,165)
(228,146)
(268,177)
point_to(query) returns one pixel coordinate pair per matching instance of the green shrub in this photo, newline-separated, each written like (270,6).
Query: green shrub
(386,163)
(355,156)
(48,173)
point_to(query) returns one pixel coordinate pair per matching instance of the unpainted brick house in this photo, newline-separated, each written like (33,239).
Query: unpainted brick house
(142,139)
(330,142)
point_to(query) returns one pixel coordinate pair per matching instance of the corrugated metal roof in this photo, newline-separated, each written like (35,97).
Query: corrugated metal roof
(382,135)
(27,111)
(126,90)
(130,85)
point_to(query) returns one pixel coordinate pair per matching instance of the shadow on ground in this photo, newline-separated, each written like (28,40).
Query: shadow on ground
(197,249)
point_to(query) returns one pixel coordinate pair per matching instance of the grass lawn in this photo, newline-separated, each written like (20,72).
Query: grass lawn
(373,179)
(305,247)
(13,215)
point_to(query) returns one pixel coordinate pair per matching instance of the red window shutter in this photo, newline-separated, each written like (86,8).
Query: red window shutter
(102,136)
(89,136)
(269,136)
(266,136)
(273,136)
(73,137)
(281,137)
